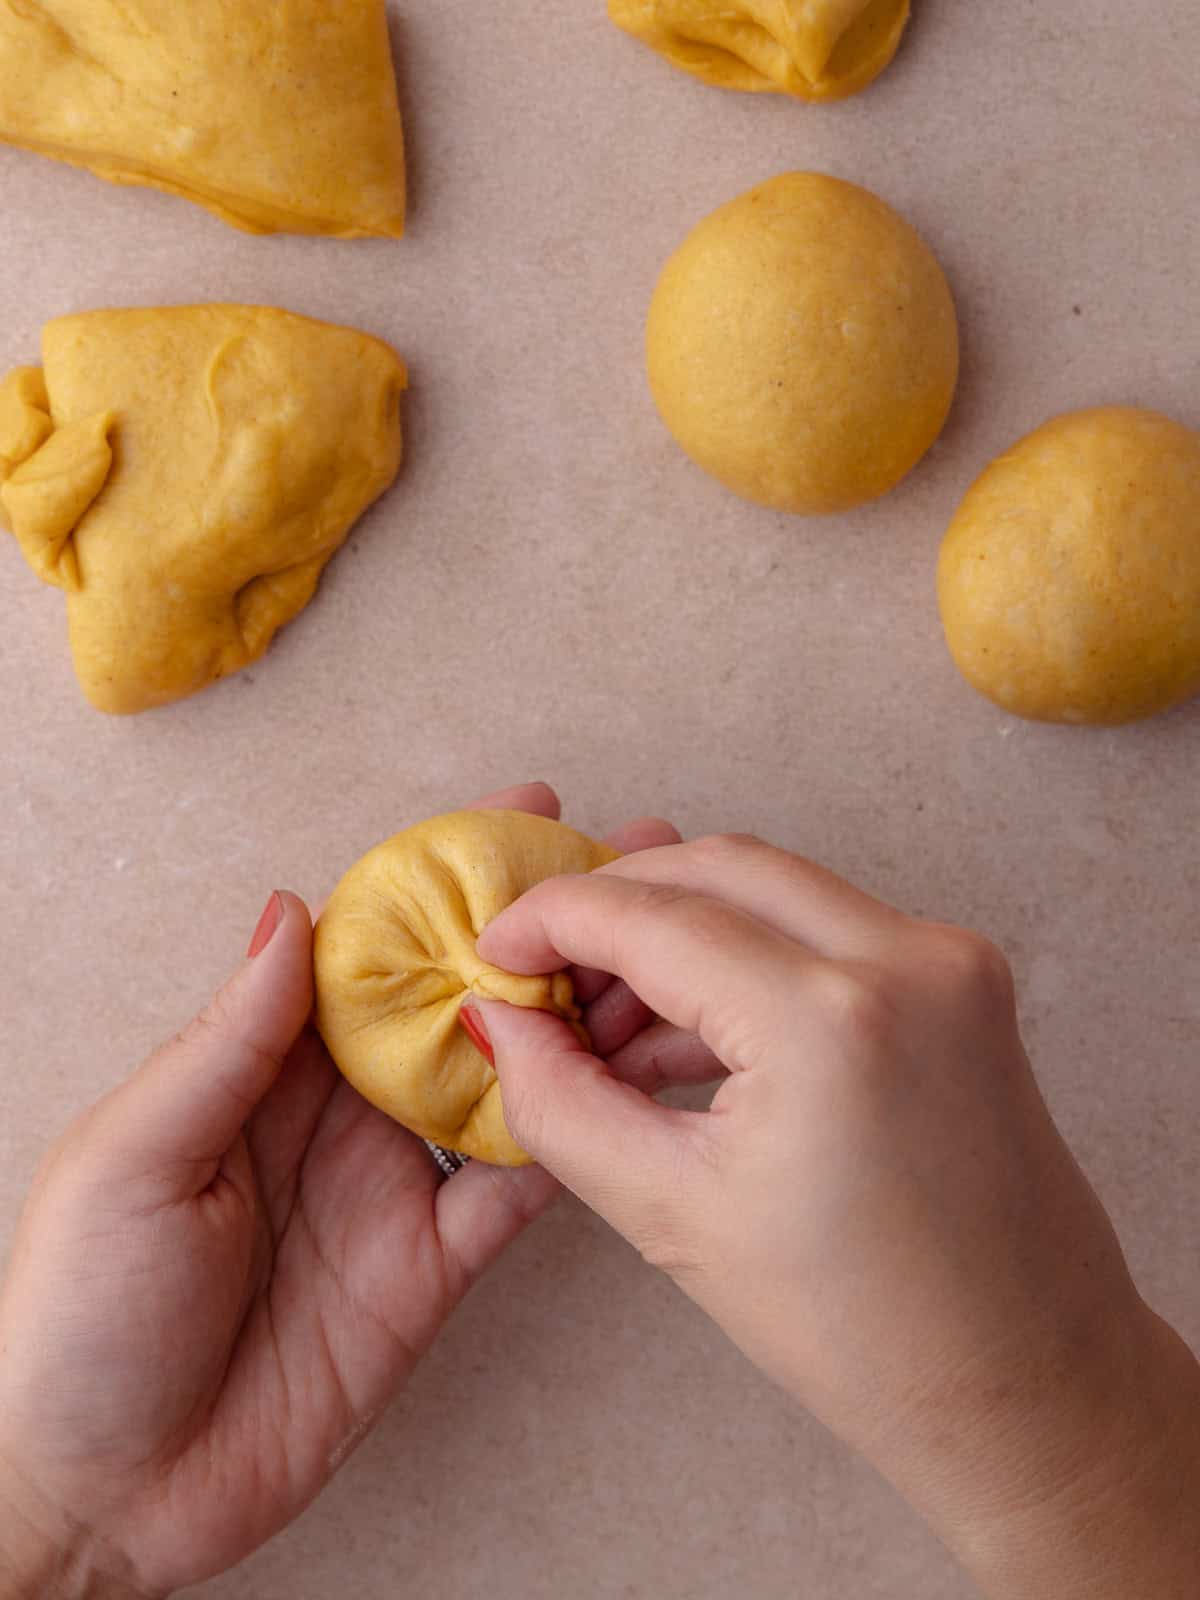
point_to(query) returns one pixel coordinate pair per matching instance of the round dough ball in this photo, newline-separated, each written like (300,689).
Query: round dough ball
(803,346)
(395,959)
(1069,580)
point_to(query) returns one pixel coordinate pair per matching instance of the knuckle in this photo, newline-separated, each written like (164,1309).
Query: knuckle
(660,907)
(214,1031)
(858,1005)
(210,1023)
(514,1200)
(657,900)
(721,847)
(975,971)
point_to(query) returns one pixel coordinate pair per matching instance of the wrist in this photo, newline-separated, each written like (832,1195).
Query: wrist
(43,1557)
(1090,1488)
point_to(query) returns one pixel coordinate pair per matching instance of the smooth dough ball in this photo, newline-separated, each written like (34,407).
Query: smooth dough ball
(1069,580)
(395,960)
(802,345)
(813,49)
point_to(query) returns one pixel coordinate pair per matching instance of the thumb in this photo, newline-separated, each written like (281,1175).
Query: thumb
(624,1155)
(177,1116)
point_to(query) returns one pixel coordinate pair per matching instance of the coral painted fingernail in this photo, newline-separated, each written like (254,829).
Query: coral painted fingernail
(472,1026)
(267,924)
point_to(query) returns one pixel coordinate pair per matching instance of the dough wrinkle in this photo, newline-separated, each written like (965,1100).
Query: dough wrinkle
(811,49)
(47,493)
(25,422)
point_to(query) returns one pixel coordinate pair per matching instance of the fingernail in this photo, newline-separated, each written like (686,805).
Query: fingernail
(267,924)
(472,1026)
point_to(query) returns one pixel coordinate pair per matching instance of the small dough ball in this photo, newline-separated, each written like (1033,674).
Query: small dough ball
(813,49)
(395,960)
(802,345)
(1069,580)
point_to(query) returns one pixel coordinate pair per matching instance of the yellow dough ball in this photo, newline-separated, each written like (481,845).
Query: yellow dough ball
(395,961)
(1069,580)
(802,345)
(813,49)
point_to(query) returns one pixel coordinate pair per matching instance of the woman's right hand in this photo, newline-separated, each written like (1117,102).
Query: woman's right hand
(878,1208)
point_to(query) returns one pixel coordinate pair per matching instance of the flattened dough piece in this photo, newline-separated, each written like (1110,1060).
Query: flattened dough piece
(396,959)
(185,474)
(813,49)
(279,117)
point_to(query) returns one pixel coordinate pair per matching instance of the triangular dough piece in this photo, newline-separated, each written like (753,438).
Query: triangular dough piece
(185,475)
(278,117)
(813,49)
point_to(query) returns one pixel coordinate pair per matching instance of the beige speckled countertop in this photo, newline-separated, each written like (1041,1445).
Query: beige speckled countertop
(553,591)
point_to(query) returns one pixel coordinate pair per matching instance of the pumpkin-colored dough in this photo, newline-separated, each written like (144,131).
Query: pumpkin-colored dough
(276,117)
(184,475)
(802,345)
(396,959)
(1069,580)
(813,49)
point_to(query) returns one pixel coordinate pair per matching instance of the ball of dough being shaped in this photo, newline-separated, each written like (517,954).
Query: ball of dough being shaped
(1069,579)
(813,49)
(395,960)
(802,345)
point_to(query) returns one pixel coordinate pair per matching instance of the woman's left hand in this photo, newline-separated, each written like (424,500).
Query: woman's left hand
(225,1271)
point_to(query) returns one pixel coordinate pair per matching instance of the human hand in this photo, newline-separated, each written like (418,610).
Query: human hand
(224,1272)
(878,1207)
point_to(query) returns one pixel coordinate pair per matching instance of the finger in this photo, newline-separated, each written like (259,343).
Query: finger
(589,984)
(621,1153)
(662,1057)
(615,1017)
(175,1118)
(281,1130)
(537,798)
(647,833)
(783,891)
(483,1209)
(703,965)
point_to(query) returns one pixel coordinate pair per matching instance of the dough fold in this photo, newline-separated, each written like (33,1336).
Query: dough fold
(48,479)
(279,117)
(395,960)
(185,474)
(812,49)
